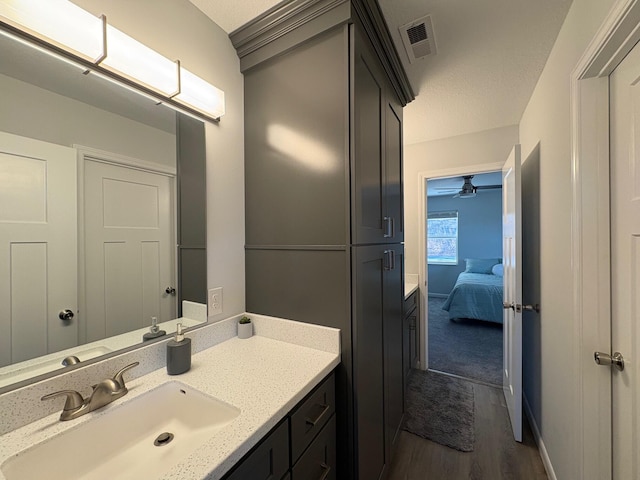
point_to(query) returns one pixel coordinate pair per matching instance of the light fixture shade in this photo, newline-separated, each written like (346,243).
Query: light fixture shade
(200,95)
(140,63)
(59,22)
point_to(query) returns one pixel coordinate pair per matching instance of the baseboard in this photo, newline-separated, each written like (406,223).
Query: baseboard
(438,295)
(546,461)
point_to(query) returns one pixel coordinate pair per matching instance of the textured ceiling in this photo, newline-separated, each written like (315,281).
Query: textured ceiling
(490,55)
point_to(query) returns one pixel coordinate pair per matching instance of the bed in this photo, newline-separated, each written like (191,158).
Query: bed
(477,296)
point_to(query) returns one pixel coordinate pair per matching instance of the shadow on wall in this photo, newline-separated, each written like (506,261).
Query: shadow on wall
(531,347)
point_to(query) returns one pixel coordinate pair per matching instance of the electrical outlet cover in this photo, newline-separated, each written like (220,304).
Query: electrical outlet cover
(215,301)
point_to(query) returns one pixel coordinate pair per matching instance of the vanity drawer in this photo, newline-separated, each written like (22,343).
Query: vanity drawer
(410,303)
(269,460)
(319,461)
(309,418)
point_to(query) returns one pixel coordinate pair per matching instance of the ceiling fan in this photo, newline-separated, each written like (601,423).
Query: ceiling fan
(468,189)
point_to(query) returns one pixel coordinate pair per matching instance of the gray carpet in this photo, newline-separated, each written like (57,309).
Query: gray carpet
(440,408)
(469,348)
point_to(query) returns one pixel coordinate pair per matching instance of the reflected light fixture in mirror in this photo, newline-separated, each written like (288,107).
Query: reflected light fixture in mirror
(100,47)
(74,30)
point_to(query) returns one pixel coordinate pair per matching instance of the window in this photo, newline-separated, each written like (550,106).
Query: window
(442,238)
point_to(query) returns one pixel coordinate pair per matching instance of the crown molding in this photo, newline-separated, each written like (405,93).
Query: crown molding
(288,24)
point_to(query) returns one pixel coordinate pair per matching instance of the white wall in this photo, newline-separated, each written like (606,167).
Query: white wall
(488,146)
(37,113)
(546,120)
(178,30)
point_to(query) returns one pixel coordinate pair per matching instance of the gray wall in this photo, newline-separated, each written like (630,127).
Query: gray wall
(479,234)
(531,339)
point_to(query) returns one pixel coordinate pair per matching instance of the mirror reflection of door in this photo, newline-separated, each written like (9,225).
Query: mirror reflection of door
(38,248)
(128,254)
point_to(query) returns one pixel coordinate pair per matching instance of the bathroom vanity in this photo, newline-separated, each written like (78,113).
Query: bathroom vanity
(272,395)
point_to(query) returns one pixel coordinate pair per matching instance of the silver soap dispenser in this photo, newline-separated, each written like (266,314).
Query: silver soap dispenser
(178,353)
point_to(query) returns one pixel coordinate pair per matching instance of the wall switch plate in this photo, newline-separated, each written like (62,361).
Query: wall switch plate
(215,301)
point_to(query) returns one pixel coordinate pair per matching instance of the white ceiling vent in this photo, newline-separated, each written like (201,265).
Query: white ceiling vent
(418,38)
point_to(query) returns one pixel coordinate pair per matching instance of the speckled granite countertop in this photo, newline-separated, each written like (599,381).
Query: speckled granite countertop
(264,376)
(409,288)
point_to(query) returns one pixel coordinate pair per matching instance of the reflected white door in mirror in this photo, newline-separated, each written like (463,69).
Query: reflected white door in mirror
(128,233)
(38,248)
(87,231)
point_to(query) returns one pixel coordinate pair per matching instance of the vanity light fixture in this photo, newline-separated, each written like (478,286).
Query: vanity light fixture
(74,29)
(75,34)
(199,94)
(140,63)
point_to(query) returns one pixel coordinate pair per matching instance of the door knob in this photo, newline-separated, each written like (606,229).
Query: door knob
(508,305)
(65,314)
(170,291)
(617,360)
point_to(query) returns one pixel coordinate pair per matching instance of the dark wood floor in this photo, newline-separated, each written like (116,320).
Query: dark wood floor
(495,456)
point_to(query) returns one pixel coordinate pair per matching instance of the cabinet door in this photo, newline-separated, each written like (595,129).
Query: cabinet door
(393,196)
(368,362)
(319,460)
(368,151)
(392,331)
(269,460)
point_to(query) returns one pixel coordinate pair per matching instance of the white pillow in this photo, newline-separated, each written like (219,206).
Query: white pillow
(498,269)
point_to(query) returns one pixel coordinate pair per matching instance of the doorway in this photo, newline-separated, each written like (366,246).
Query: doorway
(464,276)
(422,278)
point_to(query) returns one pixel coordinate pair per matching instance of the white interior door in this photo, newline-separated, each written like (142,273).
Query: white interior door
(129,261)
(625,263)
(512,258)
(38,248)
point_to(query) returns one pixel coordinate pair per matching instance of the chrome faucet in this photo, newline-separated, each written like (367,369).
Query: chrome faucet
(103,393)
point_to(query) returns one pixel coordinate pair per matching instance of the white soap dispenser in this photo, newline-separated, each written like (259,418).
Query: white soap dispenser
(178,353)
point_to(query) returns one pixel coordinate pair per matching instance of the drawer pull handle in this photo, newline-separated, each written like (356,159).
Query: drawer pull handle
(325,473)
(314,422)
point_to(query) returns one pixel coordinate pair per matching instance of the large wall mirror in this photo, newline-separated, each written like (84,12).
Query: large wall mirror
(91,212)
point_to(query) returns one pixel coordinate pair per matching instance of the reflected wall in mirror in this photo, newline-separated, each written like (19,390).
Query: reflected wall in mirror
(90,176)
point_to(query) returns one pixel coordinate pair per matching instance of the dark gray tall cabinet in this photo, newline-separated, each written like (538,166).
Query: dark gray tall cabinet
(324,222)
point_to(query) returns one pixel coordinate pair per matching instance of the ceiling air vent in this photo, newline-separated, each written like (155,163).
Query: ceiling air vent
(418,38)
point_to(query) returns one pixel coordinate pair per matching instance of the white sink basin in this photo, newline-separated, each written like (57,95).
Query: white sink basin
(120,443)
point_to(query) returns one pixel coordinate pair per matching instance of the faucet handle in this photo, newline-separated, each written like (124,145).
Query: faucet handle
(118,376)
(70,360)
(74,399)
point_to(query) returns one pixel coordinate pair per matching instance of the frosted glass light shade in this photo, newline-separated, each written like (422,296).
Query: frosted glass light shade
(200,95)
(140,63)
(57,21)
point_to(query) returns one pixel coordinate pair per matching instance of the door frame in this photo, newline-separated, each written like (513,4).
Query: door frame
(422,243)
(93,154)
(590,230)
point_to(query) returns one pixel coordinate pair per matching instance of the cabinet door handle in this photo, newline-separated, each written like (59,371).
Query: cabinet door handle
(314,422)
(388,227)
(387,259)
(393,259)
(392,221)
(326,470)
